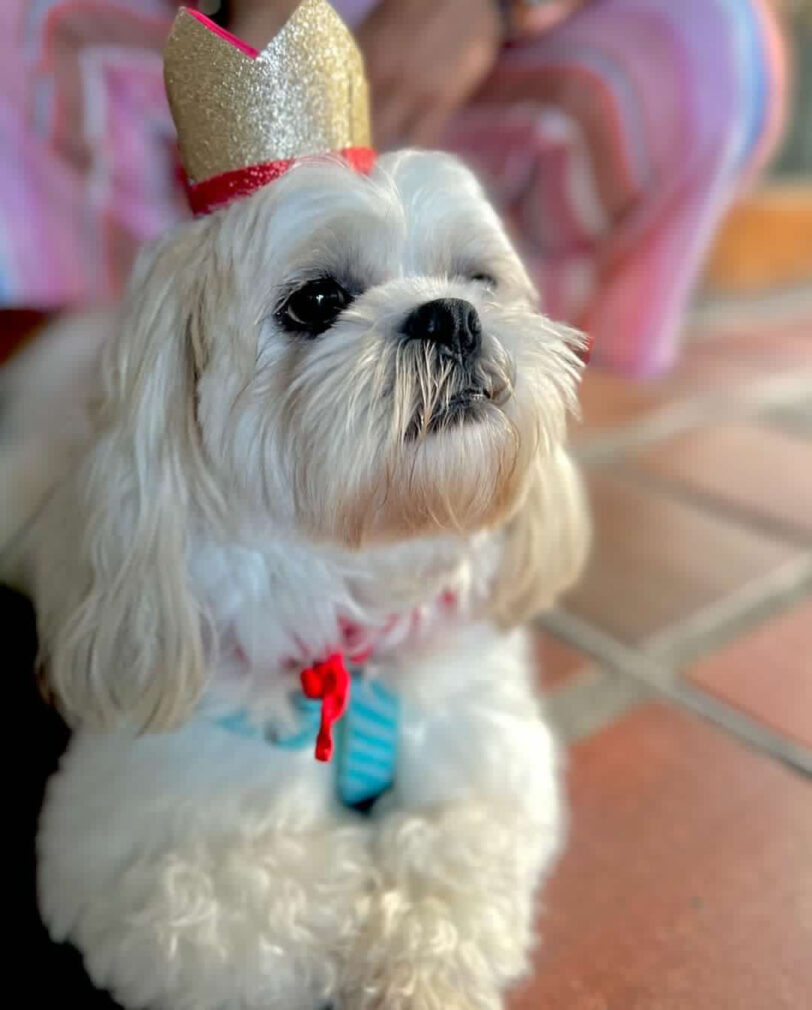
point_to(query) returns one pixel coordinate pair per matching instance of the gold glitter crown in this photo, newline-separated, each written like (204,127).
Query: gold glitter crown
(236,108)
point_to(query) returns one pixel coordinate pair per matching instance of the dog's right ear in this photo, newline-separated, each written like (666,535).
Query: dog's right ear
(121,631)
(546,543)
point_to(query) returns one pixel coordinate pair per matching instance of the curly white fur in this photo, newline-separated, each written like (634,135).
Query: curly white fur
(228,498)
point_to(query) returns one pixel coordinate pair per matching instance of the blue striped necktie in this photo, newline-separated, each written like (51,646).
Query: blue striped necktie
(366,738)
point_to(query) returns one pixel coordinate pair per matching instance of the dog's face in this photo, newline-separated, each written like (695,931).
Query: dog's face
(375,368)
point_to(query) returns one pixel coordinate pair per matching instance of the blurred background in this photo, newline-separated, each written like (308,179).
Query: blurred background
(680,669)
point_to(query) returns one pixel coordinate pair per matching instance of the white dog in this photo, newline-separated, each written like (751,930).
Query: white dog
(330,419)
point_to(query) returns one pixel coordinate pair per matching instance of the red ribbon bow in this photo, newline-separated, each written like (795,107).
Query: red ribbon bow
(330,682)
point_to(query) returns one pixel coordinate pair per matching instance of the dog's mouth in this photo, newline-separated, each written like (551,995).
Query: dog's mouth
(467,406)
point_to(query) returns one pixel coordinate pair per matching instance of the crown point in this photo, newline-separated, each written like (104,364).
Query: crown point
(211,26)
(304,94)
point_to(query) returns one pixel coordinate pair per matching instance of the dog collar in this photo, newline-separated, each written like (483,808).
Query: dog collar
(366,729)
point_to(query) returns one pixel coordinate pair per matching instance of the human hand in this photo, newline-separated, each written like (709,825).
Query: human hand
(424,58)
(535,20)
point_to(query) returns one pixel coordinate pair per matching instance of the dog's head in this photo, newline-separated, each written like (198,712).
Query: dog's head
(338,358)
(375,366)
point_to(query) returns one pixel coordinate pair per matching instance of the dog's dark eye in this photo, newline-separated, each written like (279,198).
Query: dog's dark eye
(488,280)
(314,308)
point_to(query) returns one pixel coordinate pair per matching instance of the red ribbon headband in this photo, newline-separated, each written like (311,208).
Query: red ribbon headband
(207,196)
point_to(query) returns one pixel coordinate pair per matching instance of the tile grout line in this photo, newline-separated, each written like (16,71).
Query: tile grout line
(592,702)
(717,313)
(784,584)
(696,411)
(661,681)
(745,728)
(711,503)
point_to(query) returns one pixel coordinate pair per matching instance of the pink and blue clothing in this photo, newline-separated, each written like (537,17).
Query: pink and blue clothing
(613,142)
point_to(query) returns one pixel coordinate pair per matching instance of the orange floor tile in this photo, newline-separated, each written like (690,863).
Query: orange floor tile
(767,673)
(752,468)
(559,664)
(658,561)
(687,884)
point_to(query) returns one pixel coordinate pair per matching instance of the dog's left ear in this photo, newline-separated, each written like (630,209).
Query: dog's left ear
(546,542)
(122,637)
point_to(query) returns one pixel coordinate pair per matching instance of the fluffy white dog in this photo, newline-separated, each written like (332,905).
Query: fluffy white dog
(329,419)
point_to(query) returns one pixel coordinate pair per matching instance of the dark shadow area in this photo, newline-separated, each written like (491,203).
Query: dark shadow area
(44,971)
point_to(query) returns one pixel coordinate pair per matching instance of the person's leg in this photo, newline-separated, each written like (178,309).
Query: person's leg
(615,143)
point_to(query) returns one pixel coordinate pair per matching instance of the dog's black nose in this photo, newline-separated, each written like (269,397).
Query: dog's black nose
(450,323)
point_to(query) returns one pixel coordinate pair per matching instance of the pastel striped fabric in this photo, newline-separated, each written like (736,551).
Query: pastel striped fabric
(613,143)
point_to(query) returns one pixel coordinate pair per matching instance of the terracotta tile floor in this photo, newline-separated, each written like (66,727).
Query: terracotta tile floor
(795,418)
(559,663)
(752,468)
(687,882)
(767,672)
(609,400)
(717,363)
(659,560)
(736,355)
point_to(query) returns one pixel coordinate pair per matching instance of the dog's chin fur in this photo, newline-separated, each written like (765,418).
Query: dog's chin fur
(232,494)
(408,458)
